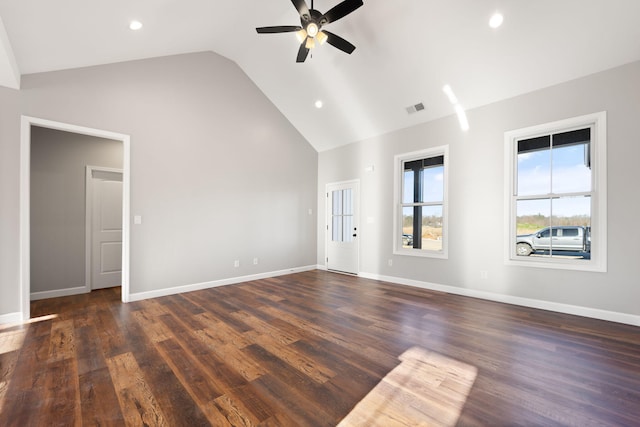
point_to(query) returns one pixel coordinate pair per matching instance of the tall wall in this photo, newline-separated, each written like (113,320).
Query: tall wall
(477,197)
(218,174)
(9,200)
(58,162)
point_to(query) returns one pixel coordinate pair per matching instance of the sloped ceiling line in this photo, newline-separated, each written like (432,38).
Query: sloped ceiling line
(9,71)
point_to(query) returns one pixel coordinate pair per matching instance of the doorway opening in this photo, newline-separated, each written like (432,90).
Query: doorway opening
(27,126)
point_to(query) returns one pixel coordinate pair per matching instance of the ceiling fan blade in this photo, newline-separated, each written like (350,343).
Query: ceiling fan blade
(339,42)
(278,29)
(341,10)
(302,52)
(301,7)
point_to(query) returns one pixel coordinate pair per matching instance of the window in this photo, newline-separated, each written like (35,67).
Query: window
(342,215)
(556,179)
(420,212)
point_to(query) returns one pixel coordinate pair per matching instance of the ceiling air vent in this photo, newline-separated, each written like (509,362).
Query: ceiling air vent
(415,108)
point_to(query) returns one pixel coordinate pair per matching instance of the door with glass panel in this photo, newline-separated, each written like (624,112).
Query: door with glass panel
(342,227)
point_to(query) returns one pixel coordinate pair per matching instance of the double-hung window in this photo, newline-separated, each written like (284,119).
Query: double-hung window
(556,194)
(420,214)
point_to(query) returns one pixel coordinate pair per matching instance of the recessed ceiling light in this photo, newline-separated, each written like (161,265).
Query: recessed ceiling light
(318,104)
(496,20)
(135,25)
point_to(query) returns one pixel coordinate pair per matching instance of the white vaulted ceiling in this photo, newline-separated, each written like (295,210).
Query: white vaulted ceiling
(406,51)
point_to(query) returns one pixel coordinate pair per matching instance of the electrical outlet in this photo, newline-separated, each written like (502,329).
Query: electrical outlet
(390,262)
(236,263)
(484,274)
(255,261)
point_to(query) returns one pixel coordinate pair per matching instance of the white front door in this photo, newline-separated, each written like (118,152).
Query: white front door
(106,229)
(342,227)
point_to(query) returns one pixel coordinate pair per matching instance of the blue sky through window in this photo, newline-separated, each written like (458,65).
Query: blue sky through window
(565,168)
(432,185)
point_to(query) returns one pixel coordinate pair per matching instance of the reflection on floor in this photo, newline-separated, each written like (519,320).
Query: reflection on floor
(426,389)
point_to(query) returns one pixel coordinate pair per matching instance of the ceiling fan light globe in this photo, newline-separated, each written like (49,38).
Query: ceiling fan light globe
(301,35)
(312,29)
(311,43)
(321,37)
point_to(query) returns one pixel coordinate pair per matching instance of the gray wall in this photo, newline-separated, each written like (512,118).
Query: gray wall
(476,196)
(9,200)
(217,172)
(58,164)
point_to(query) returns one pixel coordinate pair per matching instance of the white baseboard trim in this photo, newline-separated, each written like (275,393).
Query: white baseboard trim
(321,267)
(10,318)
(594,313)
(59,293)
(206,285)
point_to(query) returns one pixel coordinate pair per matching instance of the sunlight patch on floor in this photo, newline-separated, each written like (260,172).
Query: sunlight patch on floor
(12,335)
(426,389)
(11,340)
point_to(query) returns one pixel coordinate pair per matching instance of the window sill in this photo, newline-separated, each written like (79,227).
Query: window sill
(558,264)
(421,253)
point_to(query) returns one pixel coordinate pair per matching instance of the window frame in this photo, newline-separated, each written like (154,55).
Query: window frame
(598,152)
(399,161)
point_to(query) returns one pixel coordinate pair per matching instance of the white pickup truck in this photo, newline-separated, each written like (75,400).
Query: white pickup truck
(562,238)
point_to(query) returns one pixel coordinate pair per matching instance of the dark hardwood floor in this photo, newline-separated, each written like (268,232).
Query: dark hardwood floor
(303,350)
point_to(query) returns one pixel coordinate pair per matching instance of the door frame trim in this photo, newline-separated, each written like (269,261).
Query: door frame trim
(88,221)
(25,194)
(356,183)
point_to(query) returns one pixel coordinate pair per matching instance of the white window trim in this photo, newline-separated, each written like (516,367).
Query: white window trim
(598,261)
(442,150)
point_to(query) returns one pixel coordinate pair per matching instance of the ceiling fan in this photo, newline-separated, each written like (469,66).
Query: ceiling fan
(311,22)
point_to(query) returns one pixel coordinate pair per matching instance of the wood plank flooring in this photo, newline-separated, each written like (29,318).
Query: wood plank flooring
(304,350)
(425,389)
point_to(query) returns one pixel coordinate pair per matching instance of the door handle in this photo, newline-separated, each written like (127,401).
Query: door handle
(355,235)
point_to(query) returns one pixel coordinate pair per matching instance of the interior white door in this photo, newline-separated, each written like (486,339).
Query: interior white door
(106,239)
(342,227)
